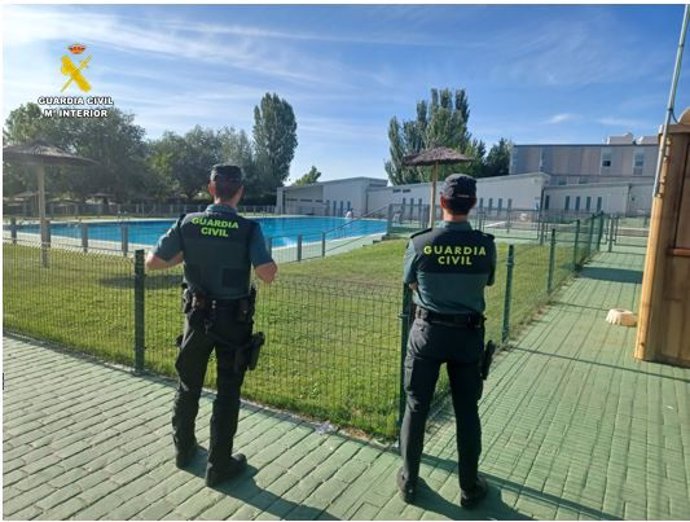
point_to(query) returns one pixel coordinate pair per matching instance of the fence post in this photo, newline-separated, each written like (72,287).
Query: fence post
(590,239)
(600,233)
(404,333)
(299,247)
(124,233)
(510,213)
(139,276)
(323,244)
(85,237)
(552,261)
(577,239)
(611,225)
(13,230)
(509,286)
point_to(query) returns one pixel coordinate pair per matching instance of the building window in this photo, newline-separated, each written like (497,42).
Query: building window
(547,201)
(588,203)
(605,159)
(481,203)
(349,205)
(491,203)
(599,202)
(510,203)
(396,191)
(419,202)
(407,190)
(567,203)
(638,163)
(577,203)
(500,204)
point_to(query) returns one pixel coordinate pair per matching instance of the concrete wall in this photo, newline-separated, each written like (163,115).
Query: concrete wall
(619,198)
(332,198)
(521,192)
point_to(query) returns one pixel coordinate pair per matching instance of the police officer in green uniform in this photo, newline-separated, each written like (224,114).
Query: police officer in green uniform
(218,248)
(447,269)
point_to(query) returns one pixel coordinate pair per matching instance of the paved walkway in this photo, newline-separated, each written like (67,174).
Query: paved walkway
(574,428)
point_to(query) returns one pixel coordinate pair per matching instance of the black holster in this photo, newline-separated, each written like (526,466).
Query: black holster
(247,356)
(487,359)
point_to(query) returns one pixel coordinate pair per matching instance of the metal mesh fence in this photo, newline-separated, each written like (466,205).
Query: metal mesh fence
(83,301)
(65,210)
(334,347)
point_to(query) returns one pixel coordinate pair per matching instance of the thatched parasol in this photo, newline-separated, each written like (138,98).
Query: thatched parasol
(435,156)
(39,153)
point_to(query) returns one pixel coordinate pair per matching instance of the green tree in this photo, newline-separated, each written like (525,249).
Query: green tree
(275,139)
(310,177)
(115,142)
(498,160)
(440,122)
(185,161)
(236,148)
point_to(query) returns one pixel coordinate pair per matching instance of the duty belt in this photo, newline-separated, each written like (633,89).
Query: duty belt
(464,320)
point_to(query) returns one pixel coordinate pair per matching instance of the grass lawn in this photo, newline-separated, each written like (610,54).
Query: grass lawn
(332,325)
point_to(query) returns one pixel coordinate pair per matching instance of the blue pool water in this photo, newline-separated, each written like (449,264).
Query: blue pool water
(282,230)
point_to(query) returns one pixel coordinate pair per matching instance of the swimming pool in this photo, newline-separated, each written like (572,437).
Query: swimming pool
(283,231)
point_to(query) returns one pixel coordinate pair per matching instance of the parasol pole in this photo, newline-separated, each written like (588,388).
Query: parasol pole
(41,179)
(432,205)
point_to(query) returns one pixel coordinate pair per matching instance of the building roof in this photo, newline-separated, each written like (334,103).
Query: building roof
(603,145)
(343,180)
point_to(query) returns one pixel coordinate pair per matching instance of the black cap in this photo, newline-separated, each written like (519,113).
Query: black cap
(459,186)
(226,172)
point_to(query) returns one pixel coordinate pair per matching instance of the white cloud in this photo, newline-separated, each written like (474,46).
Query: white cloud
(26,26)
(561,118)
(621,122)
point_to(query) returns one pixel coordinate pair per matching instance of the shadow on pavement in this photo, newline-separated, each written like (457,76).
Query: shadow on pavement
(245,489)
(619,275)
(492,507)
(604,365)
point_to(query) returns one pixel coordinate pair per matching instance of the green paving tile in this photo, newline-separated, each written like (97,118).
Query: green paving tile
(573,428)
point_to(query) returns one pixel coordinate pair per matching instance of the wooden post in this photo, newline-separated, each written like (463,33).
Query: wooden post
(432,203)
(43,224)
(664,315)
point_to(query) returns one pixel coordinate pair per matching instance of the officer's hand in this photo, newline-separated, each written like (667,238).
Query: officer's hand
(266,272)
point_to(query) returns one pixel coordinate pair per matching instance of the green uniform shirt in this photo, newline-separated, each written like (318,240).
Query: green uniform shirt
(219,248)
(451,264)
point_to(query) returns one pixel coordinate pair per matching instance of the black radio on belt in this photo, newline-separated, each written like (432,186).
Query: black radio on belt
(469,320)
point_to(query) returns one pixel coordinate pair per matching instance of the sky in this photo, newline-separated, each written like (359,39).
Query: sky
(532,73)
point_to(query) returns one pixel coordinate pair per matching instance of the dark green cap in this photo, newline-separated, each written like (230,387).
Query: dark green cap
(459,186)
(226,172)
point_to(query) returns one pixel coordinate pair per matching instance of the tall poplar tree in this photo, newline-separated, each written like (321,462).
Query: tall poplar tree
(275,139)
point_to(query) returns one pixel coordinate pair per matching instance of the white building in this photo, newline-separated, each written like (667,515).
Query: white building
(328,198)
(531,191)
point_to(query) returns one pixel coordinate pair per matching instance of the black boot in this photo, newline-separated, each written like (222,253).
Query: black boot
(185,454)
(472,497)
(408,491)
(216,474)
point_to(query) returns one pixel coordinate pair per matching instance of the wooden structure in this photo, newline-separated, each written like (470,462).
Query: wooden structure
(435,156)
(663,334)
